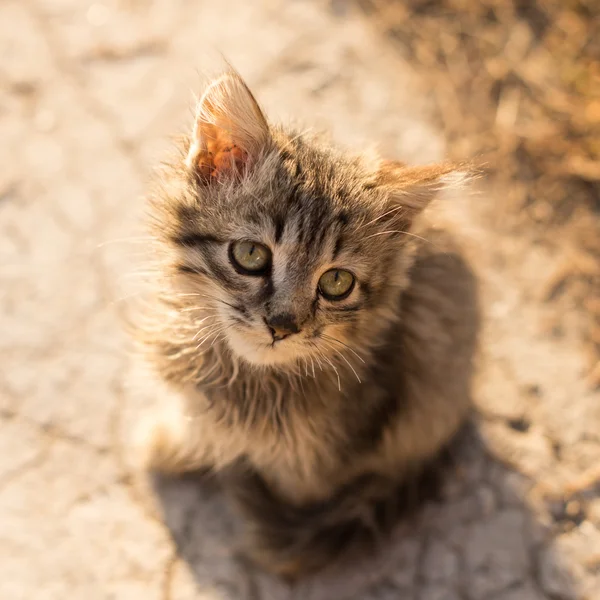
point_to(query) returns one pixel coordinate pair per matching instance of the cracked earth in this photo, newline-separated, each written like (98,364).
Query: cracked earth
(89,94)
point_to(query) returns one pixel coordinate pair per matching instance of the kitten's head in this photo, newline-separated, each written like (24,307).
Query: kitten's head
(286,248)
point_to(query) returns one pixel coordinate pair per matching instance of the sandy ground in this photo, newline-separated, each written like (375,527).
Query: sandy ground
(89,94)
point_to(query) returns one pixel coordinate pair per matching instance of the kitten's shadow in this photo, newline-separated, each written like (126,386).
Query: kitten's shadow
(478,541)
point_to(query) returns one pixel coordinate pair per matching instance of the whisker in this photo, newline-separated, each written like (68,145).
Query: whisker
(328,337)
(193,309)
(319,363)
(389,212)
(192,294)
(354,371)
(210,335)
(219,337)
(346,361)
(211,329)
(301,382)
(336,372)
(317,350)
(402,232)
(203,328)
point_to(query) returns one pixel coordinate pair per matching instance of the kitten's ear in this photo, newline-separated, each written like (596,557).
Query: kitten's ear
(413,188)
(230,130)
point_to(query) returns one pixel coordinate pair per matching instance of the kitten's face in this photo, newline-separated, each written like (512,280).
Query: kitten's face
(292,254)
(292,271)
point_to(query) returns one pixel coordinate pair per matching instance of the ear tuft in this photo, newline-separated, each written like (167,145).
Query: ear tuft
(230,130)
(413,188)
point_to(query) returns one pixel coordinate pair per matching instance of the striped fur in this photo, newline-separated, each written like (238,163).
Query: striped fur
(371,388)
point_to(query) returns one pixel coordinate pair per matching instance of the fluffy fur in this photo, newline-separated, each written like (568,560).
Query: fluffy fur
(317,436)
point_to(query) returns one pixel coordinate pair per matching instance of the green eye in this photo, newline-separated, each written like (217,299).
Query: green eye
(336,284)
(250,258)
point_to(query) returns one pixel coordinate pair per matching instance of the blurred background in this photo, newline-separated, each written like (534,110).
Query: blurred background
(91,94)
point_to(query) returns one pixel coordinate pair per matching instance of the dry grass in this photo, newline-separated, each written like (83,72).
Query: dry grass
(517,84)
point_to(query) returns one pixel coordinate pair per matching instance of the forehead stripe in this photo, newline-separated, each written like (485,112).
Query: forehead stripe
(279,224)
(338,246)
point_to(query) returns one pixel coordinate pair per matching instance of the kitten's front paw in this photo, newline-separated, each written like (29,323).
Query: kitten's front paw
(160,443)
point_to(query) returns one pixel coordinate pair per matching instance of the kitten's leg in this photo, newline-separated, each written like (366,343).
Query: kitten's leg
(169,441)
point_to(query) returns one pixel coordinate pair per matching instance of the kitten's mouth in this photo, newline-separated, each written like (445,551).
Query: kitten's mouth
(277,341)
(255,349)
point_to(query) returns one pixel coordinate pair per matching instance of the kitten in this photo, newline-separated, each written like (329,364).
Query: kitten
(320,347)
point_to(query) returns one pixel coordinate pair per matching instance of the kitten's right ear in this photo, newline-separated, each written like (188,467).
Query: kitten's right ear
(230,131)
(413,188)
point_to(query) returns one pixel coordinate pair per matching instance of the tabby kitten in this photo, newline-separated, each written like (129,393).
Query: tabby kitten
(320,347)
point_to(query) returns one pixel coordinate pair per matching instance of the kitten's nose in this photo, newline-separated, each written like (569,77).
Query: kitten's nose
(282,325)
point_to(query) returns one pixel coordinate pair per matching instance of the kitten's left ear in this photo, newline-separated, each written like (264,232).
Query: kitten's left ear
(230,130)
(413,188)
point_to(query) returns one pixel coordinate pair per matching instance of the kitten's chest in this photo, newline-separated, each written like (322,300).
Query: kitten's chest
(298,439)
